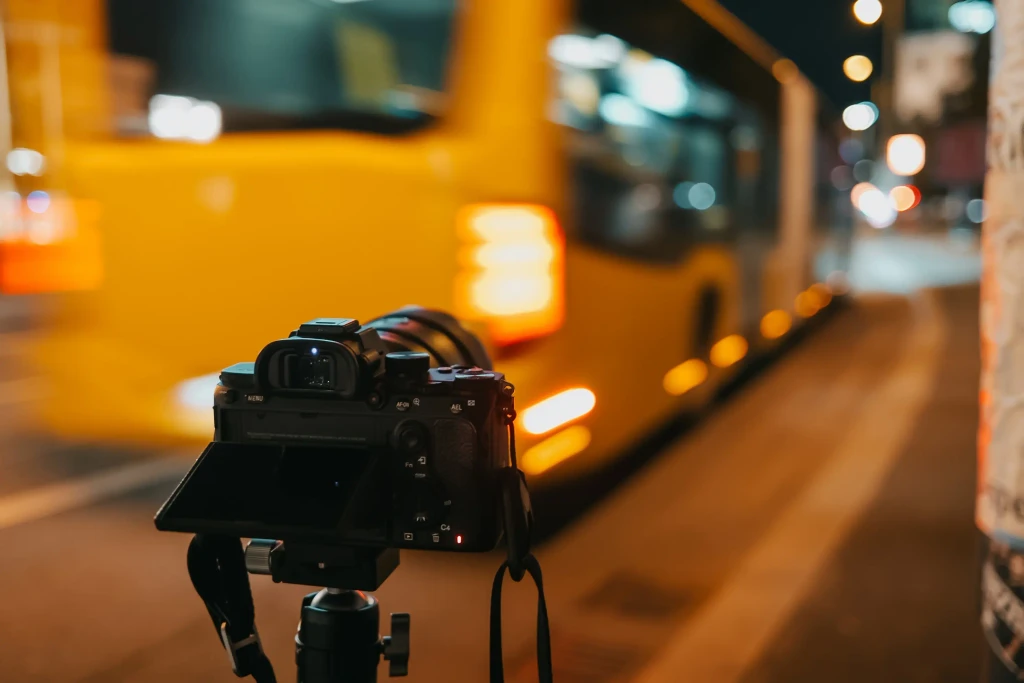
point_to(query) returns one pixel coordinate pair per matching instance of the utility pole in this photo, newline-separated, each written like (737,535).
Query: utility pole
(1000,509)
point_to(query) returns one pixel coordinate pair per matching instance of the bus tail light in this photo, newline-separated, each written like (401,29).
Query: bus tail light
(511,270)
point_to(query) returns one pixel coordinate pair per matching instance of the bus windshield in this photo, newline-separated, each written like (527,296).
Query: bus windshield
(290,64)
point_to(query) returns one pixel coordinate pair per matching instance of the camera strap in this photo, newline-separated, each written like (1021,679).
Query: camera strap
(518,521)
(544,671)
(216,565)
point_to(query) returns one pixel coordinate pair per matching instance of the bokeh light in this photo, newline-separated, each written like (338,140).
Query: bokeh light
(858,68)
(702,196)
(38,201)
(555,449)
(977,211)
(904,197)
(851,150)
(775,324)
(858,191)
(557,410)
(685,376)
(972,16)
(867,11)
(22,161)
(842,178)
(864,170)
(877,208)
(905,154)
(860,116)
(729,351)
(806,304)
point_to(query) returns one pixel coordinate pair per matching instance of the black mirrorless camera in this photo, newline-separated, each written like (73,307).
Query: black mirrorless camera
(386,435)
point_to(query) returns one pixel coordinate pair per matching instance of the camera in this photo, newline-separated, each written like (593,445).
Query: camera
(384,435)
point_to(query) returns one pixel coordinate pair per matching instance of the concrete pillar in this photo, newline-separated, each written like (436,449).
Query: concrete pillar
(1000,510)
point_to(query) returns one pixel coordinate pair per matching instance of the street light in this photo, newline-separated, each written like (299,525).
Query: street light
(858,68)
(867,11)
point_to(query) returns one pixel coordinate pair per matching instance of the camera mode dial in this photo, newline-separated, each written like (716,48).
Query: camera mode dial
(411,364)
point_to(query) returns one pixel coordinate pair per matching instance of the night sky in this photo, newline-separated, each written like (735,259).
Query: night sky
(818,35)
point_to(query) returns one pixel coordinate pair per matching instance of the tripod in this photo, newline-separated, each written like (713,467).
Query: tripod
(338,638)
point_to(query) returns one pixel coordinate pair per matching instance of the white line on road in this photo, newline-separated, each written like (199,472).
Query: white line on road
(728,634)
(68,495)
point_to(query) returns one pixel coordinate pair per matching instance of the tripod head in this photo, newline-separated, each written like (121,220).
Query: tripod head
(338,637)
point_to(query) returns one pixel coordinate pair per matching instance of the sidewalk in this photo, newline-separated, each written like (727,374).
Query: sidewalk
(898,602)
(895,599)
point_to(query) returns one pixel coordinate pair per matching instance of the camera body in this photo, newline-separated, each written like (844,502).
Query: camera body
(334,437)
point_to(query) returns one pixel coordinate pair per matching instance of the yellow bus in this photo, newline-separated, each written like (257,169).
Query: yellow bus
(624,200)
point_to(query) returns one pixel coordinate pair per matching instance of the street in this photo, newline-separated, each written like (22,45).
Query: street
(817,523)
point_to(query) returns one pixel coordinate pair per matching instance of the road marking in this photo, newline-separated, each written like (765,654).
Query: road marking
(731,630)
(22,390)
(63,496)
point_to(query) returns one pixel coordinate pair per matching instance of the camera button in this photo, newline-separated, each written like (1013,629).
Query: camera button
(445,370)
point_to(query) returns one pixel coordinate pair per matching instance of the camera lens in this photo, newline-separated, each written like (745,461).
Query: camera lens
(411,437)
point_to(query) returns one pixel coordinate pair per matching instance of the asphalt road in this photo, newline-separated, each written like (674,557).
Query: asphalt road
(816,526)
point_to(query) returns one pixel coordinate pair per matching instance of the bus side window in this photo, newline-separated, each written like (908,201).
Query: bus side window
(660,160)
(366,58)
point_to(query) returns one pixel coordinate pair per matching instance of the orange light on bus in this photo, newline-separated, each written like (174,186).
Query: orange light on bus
(729,351)
(775,324)
(685,376)
(511,270)
(822,295)
(557,410)
(555,449)
(806,304)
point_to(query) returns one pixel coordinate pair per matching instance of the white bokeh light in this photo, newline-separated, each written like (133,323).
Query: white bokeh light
(702,196)
(660,86)
(22,161)
(877,208)
(172,117)
(972,16)
(976,211)
(905,154)
(860,116)
(620,110)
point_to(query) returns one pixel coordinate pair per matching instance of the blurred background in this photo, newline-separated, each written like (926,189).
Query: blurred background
(727,253)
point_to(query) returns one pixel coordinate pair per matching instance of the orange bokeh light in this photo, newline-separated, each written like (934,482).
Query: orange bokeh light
(905,197)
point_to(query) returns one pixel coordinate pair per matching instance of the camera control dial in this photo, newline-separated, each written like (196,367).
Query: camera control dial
(409,364)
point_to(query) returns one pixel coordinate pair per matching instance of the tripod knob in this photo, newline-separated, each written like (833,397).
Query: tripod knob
(258,558)
(396,646)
